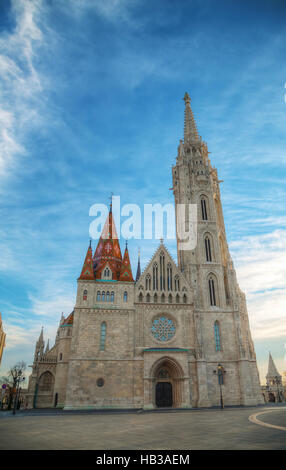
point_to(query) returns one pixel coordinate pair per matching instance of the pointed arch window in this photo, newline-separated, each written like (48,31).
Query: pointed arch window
(102,336)
(103,296)
(208,248)
(170,299)
(148,298)
(125,296)
(212,291)
(204,208)
(46,382)
(177,283)
(107,296)
(163,298)
(162,271)
(84,294)
(184,299)
(177,299)
(106,272)
(148,282)
(155,276)
(217,336)
(169,277)
(98,297)
(112,297)
(155,298)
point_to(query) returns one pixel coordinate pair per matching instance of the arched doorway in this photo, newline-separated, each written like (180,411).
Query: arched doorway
(167,379)
(164,395)
(272,397)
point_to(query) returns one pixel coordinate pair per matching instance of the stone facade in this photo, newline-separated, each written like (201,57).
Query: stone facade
(274,390)
(157,341)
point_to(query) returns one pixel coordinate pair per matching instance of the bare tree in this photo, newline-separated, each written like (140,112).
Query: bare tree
(12,381)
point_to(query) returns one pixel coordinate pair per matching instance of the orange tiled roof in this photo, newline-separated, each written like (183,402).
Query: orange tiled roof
(87,269)
(126,271)
(108,250)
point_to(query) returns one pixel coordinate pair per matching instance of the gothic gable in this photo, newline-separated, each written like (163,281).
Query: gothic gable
(161,281)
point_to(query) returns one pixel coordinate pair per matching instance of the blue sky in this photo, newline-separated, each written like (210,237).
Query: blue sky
(91,102)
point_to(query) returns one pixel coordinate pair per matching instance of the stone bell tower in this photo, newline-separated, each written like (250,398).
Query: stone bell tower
(195,181)
(220,312)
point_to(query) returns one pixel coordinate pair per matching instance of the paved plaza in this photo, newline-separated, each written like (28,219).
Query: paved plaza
(212,429)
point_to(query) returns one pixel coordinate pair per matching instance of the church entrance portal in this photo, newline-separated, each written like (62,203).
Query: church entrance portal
(164,394)
(167,382)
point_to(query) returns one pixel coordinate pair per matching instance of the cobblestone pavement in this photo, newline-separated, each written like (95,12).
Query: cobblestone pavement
(191,429)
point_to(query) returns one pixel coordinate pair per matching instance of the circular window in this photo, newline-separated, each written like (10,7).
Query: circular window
(100,382)
(163,328)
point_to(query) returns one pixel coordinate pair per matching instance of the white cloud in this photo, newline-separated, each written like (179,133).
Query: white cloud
(20,82)
(261,268)
(49,303)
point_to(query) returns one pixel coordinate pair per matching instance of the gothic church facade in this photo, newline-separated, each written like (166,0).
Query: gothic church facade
(177,336)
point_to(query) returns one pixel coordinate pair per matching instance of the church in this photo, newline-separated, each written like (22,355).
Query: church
(175,336)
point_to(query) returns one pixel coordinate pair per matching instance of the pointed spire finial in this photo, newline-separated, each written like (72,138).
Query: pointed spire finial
(41,337)
(47,347)
(138,274)
(187,98)
(110,197)
(190,128)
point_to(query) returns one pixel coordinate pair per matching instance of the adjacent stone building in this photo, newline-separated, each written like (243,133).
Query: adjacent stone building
(178,336)
(274,390)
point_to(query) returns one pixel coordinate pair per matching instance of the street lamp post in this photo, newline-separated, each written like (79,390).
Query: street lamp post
(17,379)
(276,381)
(220,373)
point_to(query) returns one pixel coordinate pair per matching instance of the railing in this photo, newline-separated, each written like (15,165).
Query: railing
(52,359)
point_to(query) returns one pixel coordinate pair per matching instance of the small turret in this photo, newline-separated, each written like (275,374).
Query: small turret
(47,347)
(87,269)
(273,374)
(39,350)
(126,271)
(138,274)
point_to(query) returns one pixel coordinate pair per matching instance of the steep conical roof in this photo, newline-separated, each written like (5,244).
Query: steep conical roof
(87,269)
(47,347)
(138,274)
(126,271)
(41,337)
(190,128)
(272,371)
(108,250)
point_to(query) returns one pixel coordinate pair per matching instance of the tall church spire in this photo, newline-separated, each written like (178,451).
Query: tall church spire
(190,129)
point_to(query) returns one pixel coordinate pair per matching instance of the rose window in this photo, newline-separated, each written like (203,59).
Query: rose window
(163,328)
